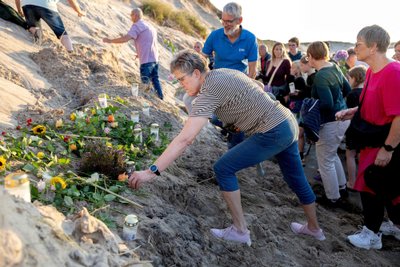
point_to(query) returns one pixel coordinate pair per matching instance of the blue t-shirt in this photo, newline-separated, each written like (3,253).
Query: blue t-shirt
(231,55)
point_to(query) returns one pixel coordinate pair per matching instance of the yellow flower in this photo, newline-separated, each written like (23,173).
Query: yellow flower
(108,144)
(58,180)
(40,155)
(39,130)
(72,116)
(93,111)
(59,123)
(2,163)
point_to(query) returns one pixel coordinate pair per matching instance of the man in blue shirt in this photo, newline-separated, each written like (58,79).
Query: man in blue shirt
(234,47)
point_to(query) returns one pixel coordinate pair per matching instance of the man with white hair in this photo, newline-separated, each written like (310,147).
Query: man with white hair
(145,38)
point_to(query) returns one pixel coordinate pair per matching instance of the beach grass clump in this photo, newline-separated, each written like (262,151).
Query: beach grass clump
(165,14)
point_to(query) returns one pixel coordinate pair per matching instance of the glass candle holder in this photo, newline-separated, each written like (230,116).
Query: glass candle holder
(135,89)
(129,230)
(17,184)
(154,130)
(135,116)
(146,109)
(102,100)
(137,135)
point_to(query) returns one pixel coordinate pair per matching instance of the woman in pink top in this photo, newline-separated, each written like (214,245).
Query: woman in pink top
(380,105)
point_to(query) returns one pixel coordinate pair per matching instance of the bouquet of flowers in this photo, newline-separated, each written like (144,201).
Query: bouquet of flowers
(340,57)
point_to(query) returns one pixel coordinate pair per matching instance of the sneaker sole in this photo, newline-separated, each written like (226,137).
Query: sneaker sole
(365,247)
(248,243)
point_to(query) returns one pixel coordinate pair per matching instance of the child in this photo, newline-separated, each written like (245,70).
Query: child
(356,77)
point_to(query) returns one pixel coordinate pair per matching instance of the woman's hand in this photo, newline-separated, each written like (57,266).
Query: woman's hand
(345,114)
(137,179)
(383,158)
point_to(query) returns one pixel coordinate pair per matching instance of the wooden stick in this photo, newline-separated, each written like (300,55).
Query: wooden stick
(109,191)
(85,136)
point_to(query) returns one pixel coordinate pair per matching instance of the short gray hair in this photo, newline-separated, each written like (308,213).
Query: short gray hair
(138,12)
(233,9)
(187,61)
(375,34)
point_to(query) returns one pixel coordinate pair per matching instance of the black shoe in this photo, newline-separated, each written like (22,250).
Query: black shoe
(328,203)
(343,193)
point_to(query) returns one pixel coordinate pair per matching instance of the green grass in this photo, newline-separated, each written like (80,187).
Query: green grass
(166,15)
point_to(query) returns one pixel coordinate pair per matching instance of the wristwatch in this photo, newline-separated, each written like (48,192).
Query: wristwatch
(388,148)
(154,169)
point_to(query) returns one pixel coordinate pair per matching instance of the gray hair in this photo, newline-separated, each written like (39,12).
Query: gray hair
(187,61)
(233,9)
(138,12)
(375,35)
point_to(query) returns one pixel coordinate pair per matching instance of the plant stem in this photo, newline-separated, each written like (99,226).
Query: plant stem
(85,136)
(108,191)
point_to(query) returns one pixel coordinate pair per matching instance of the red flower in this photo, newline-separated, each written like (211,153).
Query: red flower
(29,122)
(66,138)
(18,127)
(3,133)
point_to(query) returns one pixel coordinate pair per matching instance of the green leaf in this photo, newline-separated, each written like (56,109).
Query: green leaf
(109,197)
(28,168)
(63,161)
(68,201)
(114,188)
(97,196)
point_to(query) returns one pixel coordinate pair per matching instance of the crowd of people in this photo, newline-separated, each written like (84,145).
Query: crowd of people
(357,96)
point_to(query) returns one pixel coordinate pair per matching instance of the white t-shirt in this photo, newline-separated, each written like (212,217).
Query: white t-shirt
(49,4)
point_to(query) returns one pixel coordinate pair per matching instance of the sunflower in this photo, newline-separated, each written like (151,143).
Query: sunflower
(2,163)
(39,130)
(58,180)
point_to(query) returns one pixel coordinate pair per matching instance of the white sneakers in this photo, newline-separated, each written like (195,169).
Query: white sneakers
(387,228)
(366,239)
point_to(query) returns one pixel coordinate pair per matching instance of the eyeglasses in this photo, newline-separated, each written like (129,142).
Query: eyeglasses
(228,21)
(292,45)
(180,79)
(358,44)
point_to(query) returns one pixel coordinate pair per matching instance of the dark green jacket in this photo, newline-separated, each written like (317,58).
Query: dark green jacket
(330,87)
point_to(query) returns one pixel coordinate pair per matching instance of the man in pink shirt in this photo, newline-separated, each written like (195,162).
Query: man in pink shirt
(145,38)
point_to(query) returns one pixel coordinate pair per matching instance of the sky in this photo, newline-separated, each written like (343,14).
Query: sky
(316,20)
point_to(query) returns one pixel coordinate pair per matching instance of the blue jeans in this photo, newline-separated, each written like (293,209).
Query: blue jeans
(280,142)
(149,72)
(33,14)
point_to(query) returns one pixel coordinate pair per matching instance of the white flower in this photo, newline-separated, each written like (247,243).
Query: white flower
(41,185)
(93,178)
(34,138)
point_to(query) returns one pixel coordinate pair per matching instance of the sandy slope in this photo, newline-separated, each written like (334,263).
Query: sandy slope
(180,207)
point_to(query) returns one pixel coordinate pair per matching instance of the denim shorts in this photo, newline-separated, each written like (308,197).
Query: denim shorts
(33,14)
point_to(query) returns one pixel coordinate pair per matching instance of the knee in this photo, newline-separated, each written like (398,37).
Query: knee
(226,181)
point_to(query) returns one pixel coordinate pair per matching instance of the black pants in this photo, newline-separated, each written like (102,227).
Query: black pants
(374,209)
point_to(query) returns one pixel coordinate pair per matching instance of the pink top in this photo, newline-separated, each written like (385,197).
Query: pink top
(380,105)
(145,37)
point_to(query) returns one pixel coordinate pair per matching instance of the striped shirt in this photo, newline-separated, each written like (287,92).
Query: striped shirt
(238,101)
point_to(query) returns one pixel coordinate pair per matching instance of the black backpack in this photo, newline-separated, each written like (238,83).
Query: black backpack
(310,118)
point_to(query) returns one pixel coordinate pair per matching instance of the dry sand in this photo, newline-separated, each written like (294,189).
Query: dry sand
(46,83)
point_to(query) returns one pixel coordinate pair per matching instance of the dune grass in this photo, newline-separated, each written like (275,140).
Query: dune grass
(165,14)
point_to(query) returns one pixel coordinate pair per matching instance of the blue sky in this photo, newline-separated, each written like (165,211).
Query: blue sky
(314,20)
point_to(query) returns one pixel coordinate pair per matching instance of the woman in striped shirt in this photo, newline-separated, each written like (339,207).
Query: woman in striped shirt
(238,101)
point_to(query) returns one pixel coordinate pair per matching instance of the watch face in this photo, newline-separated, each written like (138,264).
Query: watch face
(153,168)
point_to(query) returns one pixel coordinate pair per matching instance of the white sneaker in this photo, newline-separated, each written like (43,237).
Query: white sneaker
(388,228)
(366,239)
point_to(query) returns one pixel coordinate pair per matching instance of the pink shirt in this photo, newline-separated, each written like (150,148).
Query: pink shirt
(145,38)
(380,105)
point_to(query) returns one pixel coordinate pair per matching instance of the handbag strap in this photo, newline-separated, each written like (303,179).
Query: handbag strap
(273,74)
